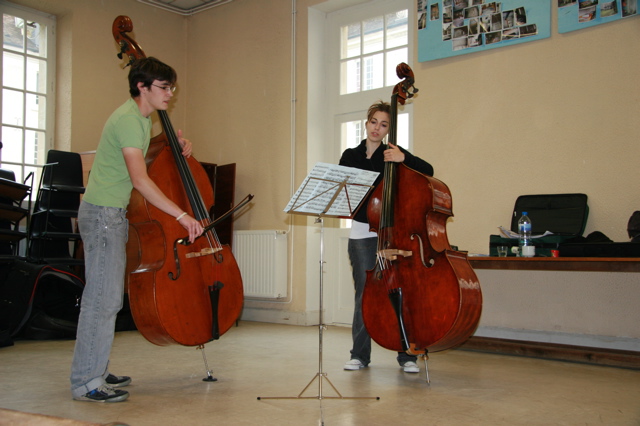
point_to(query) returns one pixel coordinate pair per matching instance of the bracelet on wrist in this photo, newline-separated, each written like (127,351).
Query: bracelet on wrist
(181,216)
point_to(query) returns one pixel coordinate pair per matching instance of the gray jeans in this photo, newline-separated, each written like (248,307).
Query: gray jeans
(362,253)
(104,232)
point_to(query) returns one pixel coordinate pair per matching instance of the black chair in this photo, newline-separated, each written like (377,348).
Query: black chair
(61,183)
(12,212)
(52,232)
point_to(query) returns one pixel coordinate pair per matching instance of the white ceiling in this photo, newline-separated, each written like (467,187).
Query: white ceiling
(185,7)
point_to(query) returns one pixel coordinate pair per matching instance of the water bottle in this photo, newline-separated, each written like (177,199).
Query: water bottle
(527,249)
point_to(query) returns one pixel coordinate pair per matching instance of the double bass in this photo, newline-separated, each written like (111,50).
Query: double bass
(422,295)
(179,293)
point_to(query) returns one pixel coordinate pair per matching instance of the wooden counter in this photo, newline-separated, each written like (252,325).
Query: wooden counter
(599,264)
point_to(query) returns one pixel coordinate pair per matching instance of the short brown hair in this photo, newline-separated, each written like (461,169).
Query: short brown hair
(147,70)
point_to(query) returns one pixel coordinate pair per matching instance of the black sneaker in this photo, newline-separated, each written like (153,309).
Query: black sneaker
(118,381)
(104,393)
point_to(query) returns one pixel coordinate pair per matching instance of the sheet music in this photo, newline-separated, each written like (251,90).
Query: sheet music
(320,186)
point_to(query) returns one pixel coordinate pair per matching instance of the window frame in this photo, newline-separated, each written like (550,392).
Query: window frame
(24,166)
(353,106)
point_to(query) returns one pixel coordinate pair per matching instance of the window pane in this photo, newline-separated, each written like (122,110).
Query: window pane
(397,29)
(26,88)
(402,134)
(373,35)
(350,77)
(36,39)
(11,144)
(13,38)
(12,107)
(35,143)
(13,70)
(36,75)
(393,59)
(36,111)
(350,41)
(374,72)
(351,133)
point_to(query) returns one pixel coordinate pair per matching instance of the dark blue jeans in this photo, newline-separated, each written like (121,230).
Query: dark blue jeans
(362,253)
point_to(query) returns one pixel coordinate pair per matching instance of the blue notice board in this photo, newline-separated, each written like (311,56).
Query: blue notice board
(456,27)
(578,14)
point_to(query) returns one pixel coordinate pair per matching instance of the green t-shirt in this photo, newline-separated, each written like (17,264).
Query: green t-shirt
(109,181)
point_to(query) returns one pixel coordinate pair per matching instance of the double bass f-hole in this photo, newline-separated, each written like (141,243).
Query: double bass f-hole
(431,260)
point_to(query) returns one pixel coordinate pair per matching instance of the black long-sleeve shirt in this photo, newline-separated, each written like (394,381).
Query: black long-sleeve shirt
(357,157)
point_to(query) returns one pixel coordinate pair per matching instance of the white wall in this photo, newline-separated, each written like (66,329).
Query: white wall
(598,309)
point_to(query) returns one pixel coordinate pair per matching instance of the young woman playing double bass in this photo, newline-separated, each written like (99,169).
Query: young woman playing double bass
(371,155)
(118,167)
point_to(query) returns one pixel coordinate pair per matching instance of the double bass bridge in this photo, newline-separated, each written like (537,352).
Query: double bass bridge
(204,252)
(392,254)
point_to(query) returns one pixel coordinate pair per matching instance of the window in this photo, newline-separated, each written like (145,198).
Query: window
(373,39)
(27,89)
(371,49)
(366,43)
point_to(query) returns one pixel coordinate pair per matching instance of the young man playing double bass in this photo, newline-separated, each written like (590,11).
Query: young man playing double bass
(119,166)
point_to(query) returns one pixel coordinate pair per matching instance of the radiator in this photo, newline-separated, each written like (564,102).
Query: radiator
(262,258)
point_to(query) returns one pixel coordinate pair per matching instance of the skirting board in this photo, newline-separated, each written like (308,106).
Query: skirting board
(480,342)
(554,351)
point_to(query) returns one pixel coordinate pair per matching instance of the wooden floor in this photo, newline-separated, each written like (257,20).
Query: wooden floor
(257,360)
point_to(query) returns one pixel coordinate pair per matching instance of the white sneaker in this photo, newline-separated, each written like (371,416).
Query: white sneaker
(410,367)
(354,364)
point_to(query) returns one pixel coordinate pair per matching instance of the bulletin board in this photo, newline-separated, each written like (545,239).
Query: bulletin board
(456,27)
(578,14)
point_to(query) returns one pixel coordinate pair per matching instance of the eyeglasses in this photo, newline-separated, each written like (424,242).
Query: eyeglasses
(165,88)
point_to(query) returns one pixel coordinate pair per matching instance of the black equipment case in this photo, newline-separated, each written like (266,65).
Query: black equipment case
(603,249)
(39,301)
(565,215)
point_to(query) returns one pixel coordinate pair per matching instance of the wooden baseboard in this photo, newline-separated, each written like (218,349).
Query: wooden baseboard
(12,417)
(553,351)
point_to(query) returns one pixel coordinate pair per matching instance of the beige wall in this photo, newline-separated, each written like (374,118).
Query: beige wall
(90,80)
(550,116)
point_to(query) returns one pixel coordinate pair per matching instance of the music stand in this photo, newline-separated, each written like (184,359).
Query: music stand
(328,191)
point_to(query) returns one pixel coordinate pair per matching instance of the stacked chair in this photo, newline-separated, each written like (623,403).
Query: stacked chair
(54,238)
(40,293)
(12,212)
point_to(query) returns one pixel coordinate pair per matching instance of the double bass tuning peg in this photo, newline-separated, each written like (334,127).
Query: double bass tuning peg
(412,91)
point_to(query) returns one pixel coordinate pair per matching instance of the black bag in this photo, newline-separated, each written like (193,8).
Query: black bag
(633,227)
(563,214)
(39,301)
(597,244)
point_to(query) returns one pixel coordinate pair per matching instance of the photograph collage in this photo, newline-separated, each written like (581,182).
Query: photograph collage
(588,10)
(468,24)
